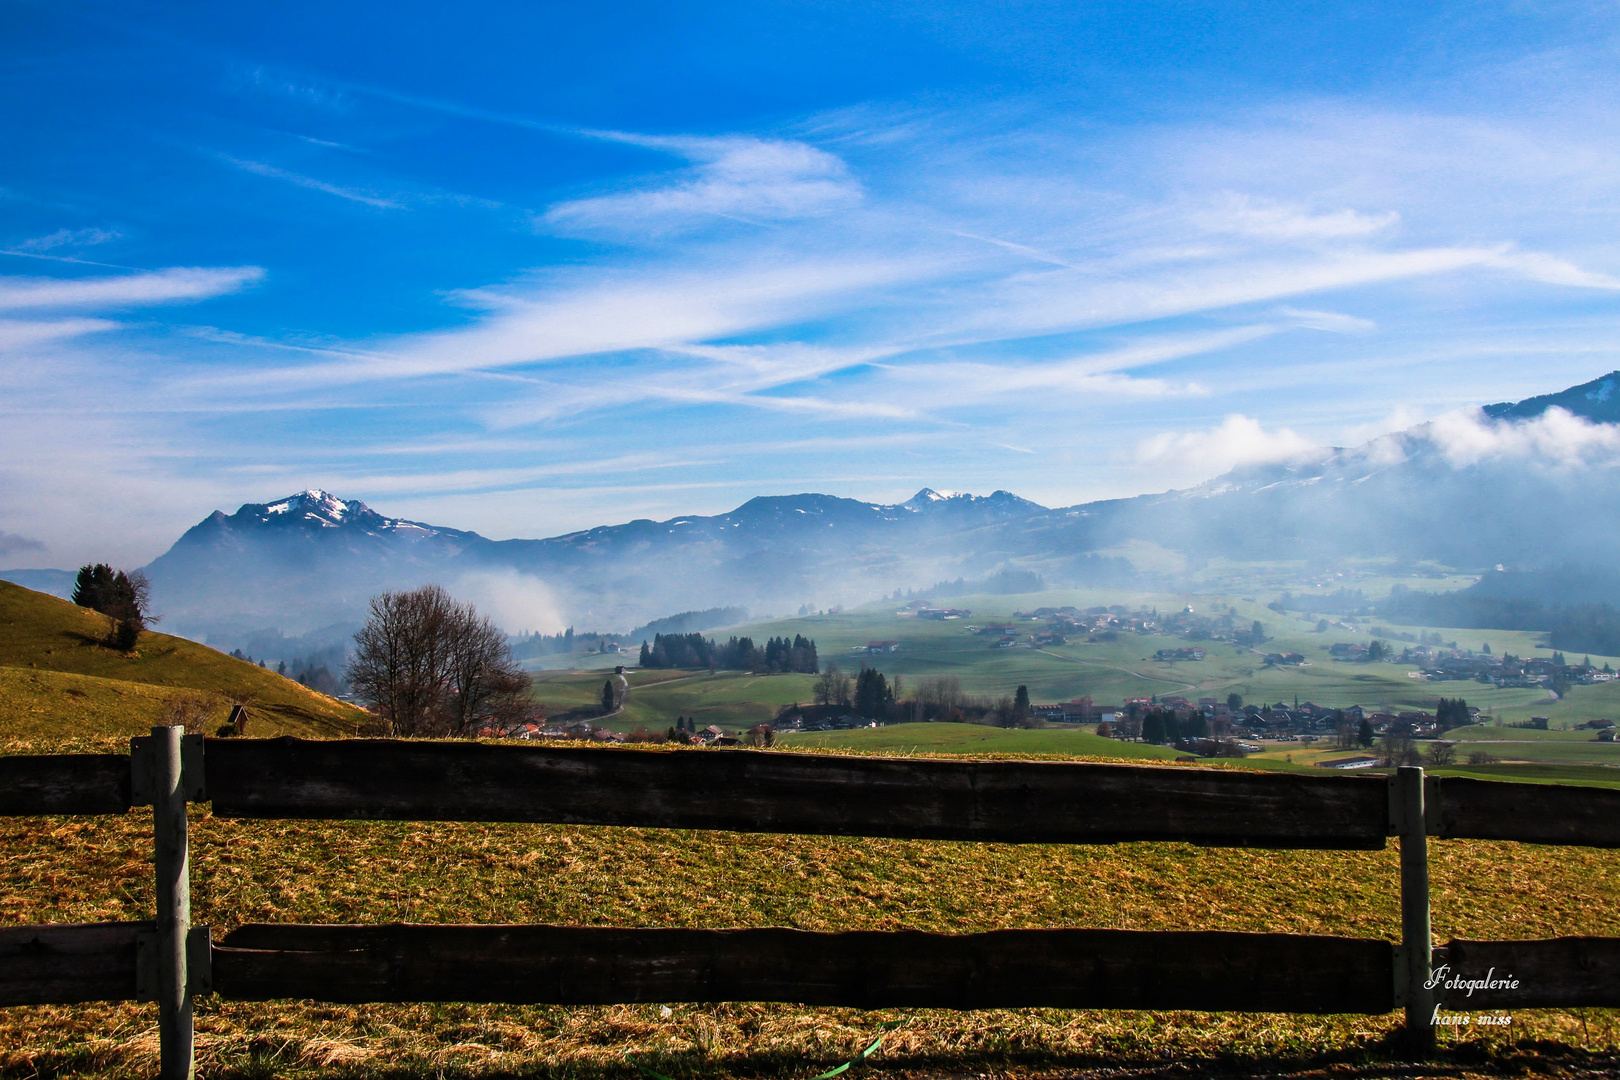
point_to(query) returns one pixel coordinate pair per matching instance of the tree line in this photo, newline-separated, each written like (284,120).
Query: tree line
(870,694)
(737,654)
(1588,628)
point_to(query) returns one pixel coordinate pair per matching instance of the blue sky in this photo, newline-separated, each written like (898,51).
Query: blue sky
(528,268)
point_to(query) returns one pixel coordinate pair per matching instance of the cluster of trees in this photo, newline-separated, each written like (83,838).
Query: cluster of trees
(435,667)
(529,646)
(1404,750)
(1452,712)
(123,597)
(1161,726)
(737,654)
(868,694)
(871,694)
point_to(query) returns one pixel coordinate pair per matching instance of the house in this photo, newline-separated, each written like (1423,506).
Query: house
(876,647)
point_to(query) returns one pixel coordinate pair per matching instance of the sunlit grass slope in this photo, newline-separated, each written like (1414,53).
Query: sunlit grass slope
(58,681)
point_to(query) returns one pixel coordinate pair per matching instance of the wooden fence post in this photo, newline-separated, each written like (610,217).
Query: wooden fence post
(1407,813)
(160,779)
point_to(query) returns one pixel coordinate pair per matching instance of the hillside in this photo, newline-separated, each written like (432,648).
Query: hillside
(57,680)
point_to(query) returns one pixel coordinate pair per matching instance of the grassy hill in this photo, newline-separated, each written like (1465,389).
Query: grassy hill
(60,686)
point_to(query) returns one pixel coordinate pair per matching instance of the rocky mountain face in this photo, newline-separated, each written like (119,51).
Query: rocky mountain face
(1528,484)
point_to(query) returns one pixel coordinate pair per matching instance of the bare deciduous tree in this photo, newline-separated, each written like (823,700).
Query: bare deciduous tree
(433,666)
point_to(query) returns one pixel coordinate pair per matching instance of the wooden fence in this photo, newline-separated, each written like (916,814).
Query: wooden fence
(170,962)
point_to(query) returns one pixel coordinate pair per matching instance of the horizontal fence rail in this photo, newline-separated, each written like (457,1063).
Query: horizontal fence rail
(1567,972)
(1529,813)
(568,965)
(33,784)
(1012,801)
(70,963)
(1040,802)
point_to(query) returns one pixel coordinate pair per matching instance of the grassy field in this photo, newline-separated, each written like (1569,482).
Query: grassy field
(977,739)
(1108,672)
(94,869)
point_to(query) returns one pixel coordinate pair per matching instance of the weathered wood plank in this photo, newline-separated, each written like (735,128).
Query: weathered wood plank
(1567,972)
(565,965)
(1531,813)
(64,784)
(64,963)
(754,791)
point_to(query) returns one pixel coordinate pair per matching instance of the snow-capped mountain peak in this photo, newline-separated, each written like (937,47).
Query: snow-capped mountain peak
(317,505)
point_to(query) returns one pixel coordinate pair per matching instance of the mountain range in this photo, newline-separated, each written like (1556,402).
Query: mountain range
(1531,483)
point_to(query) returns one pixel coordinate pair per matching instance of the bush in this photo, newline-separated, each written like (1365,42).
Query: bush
(189,709)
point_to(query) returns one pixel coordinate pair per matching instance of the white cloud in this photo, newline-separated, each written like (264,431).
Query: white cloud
(1239,440)
(155,287)
(1332,321)
(1552,270)
(1556,438)
(1247,215)
(736,177)
(19,334)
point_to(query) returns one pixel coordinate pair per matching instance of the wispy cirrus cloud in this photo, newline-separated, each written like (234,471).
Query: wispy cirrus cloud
(1247,215)
(741,178)
(259,168)
(22,333)
(180,283)
(68,238)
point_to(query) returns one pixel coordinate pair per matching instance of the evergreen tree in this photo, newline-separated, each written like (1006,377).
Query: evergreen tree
(607,697)
(1153,727)
(1021,705)
(646,656)
(872,695)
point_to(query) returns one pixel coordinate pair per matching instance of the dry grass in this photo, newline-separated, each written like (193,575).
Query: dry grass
(245,871)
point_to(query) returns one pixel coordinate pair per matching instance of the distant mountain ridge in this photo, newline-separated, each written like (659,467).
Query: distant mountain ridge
(313,559)
(1598,401)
